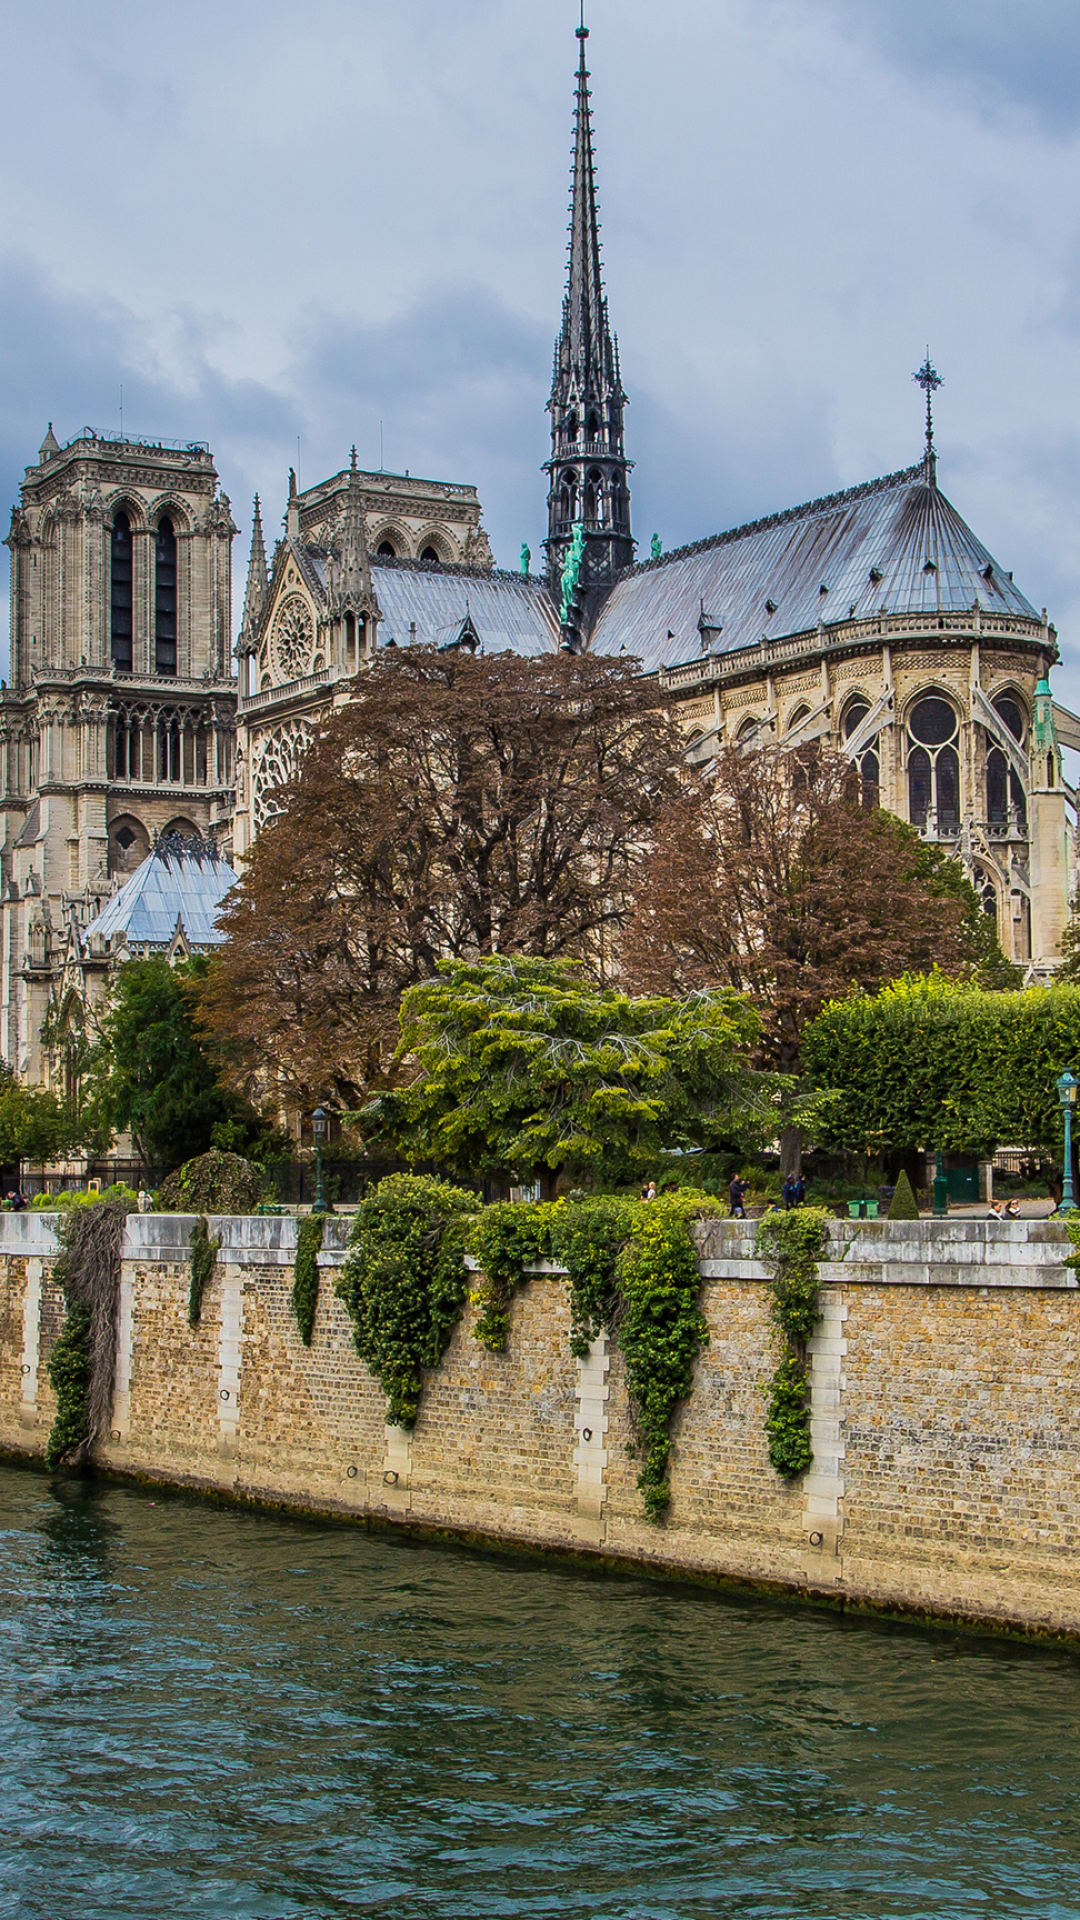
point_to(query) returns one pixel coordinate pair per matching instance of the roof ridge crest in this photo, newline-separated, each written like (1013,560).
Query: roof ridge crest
(882,485)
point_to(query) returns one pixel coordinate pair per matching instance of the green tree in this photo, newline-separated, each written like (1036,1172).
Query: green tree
(523,1064)
(153,1069)
(35,1124)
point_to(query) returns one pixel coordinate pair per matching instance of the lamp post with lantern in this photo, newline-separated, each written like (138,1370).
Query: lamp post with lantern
(1068,1086)
(318,1128)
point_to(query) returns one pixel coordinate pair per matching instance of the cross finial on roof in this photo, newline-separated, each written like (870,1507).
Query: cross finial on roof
(583,31)
(929,379)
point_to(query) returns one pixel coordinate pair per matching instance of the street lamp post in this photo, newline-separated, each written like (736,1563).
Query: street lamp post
(318,1127)
(941,1189)
(1068,1086)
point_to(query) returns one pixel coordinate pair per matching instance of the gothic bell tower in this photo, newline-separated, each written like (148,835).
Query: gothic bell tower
(588,492)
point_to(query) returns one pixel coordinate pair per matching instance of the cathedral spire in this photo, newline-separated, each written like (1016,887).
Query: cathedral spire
(588,468)
(257,581)
(929,379)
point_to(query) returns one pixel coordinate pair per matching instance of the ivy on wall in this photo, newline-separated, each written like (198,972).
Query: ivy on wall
(404,1282)
(305,1293)
(202,1259)
(82,1365)
(633,1274)
(792,1243)
(506,1238)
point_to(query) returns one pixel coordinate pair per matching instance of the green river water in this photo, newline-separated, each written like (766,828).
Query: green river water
(210,1712)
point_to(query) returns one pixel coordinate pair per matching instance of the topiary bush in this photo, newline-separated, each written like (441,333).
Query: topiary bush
(214,1182)
(404,1282)
(903,1205)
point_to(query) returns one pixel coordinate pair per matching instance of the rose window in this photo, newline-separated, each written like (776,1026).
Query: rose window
(294,634)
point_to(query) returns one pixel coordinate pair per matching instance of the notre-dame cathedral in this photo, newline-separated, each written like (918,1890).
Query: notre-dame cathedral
(871,619)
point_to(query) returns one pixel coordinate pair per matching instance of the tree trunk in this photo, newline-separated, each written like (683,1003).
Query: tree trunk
(791,1146)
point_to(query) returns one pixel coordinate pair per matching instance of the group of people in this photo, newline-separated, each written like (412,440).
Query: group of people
(793,1194)
(1003,1210)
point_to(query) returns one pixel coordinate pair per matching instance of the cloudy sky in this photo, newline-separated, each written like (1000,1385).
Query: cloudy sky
(275,224)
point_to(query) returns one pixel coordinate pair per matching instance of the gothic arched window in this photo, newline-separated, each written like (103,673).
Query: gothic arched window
(867,762)
(1004,788)
(933,763)
(592,430)
(429,553)
(120,615)
(386,550)
(165,597)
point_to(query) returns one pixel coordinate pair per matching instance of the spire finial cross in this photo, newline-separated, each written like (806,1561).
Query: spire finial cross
(929,379)
(582,31)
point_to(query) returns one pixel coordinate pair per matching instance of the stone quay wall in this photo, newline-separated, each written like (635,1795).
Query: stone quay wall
(945,1410)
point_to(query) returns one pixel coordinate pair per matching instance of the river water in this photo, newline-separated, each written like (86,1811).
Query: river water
(209,1712)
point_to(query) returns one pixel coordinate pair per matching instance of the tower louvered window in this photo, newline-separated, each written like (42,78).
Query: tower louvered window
(165,597)
(120,588)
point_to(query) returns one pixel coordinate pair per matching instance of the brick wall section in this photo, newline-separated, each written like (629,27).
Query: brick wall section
(946,1413)
(13,1286)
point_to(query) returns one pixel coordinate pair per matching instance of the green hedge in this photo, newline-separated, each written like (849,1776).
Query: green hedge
(927,1062)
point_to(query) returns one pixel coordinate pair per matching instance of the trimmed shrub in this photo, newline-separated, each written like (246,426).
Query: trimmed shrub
(214,1182)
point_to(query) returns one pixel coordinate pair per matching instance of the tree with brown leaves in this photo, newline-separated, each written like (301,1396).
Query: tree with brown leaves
(456,805)
(770,876)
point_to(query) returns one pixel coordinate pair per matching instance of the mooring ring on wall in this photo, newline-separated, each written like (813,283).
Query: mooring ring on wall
(224,1393)
(116,1434)
(586,1433)
(390,1477)
(27,1368)
(350,1473)
(816,1539)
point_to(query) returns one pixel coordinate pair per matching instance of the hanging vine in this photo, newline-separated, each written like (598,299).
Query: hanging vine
(404,1282)
(793,1244)
(505,1238)
(634,1275)
(82,1365)
(305,1293)
(202,1259)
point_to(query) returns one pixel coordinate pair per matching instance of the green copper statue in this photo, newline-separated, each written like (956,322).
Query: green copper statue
(526,557)
(657,546)
(571,572)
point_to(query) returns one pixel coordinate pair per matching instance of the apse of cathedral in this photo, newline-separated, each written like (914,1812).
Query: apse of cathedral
(871,620)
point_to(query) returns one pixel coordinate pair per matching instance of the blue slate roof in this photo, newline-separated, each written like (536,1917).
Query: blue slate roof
(174,883)
(896,545)
(511,612)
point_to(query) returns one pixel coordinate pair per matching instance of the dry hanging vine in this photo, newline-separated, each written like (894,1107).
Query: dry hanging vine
(82,1365)
(793,1244)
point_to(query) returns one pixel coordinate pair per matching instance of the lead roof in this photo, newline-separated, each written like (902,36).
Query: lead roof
(892,546)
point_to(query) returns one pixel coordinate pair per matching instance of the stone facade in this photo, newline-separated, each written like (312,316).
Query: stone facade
(119,722)
(312,618)
(858,688)
(946,1419)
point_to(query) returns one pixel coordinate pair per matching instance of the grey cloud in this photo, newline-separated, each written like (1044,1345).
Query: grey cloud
(1024,54)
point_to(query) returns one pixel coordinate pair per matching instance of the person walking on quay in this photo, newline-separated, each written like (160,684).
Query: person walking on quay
(790,1191)
(736,1196)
